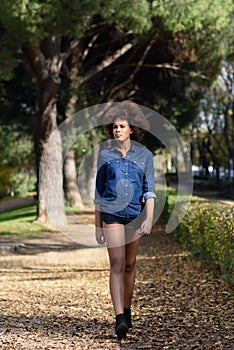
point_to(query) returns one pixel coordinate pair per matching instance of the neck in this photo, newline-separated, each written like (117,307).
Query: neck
(124,146)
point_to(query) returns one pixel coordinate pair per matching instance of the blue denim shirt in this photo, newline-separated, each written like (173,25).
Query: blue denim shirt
(123,184)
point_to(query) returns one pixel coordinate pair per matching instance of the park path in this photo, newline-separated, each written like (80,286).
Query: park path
(15,202)
(58,298)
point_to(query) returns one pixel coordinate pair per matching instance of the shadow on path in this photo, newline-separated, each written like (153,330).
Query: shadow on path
(60,300)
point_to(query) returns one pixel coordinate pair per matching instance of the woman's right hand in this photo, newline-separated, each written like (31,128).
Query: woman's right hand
(100,238)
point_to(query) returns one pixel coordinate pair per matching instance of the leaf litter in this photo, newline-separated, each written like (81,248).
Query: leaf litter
(64,302)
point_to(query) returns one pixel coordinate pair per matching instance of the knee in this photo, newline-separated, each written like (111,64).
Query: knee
(117,265)
(130,267)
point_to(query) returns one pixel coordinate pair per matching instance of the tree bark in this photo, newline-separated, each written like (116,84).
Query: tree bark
(50,194)
(87,176)
(71,188)
(46,64)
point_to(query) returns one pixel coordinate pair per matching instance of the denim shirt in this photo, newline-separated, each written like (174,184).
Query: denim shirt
(123,184)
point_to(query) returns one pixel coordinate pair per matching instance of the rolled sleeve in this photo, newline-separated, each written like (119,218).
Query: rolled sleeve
(97,200)
(149,180)
(148,195)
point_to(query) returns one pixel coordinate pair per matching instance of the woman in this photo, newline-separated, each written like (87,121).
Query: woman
(124,202)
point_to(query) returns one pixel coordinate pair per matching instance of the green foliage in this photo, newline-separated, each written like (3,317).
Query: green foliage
(35,20)
(192,37)
(170,200)
(207,26)
(16,161)
(40,19)
(87,141)
(207,230)
(132,15)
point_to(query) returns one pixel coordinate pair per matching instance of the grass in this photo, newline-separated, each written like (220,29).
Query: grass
(20,223)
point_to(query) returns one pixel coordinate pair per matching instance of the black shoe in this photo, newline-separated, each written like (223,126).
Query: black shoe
(127,313)
(121,327)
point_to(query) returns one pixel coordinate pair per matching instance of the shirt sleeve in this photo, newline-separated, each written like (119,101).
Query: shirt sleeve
(100,179)
(149,180)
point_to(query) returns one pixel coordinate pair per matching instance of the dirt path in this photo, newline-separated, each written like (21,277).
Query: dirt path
(16,202)
(60,300)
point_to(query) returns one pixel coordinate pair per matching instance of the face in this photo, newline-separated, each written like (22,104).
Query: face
(121,130)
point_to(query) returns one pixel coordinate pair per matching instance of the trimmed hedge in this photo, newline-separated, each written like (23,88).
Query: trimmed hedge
(207,230)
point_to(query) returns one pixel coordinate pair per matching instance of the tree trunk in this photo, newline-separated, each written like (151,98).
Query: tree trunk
(46,65)
(49,162)
(87,174)
(50,194)
(71,188)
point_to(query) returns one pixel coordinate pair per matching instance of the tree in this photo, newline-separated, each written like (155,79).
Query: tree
(46,34)
(134,73)
(118,57)
(181,51)
(214,128)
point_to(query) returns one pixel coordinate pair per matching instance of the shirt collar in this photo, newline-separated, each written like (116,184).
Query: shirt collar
(133,147)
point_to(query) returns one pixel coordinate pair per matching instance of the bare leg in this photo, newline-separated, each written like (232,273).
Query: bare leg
(114,235)
(130,271)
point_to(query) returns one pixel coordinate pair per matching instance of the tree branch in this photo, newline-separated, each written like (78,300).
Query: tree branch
(136,70)
(38,60)
(105,63)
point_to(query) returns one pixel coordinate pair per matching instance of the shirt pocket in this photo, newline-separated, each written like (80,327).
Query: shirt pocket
(113,168)
(138,165)
(114,163)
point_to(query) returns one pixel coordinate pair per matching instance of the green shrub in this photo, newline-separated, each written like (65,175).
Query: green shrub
(17,163)
(207,230)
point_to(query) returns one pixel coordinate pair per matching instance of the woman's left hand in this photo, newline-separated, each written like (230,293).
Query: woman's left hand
(100,235)
(146,227)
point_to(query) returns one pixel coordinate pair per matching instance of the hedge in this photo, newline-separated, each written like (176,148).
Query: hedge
(207,230)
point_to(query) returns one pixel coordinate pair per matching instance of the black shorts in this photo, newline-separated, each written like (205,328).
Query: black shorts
(132,222)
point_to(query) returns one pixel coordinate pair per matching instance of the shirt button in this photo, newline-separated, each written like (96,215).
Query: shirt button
(126,173)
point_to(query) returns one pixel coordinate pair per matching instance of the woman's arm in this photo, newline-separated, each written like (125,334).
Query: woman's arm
(98,222)
(100,181)
(98,225)
(149,208)
(148,185)
(147,224)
